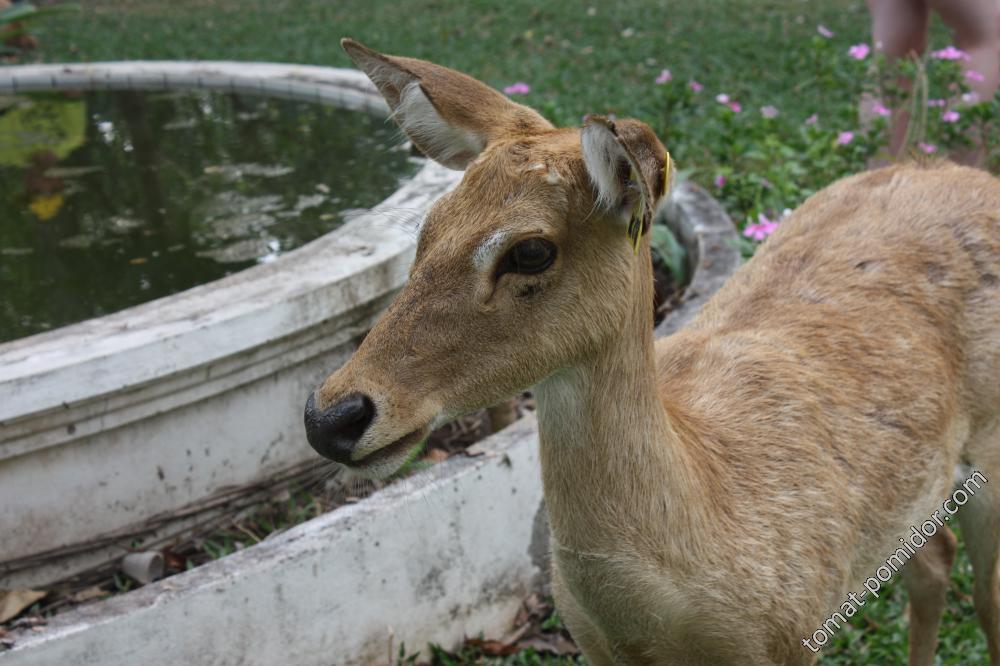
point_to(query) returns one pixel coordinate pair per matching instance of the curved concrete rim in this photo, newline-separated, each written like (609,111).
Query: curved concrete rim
(130,348)
(702,225)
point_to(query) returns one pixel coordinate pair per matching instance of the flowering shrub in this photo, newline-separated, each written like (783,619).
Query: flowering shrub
(769,160)
(15,20)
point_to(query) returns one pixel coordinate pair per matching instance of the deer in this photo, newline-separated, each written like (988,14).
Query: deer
(712,495)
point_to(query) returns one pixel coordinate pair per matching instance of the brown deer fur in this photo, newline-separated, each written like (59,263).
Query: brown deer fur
(714,495)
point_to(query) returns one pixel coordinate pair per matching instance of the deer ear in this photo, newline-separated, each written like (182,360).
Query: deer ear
(450,116)
(629,167)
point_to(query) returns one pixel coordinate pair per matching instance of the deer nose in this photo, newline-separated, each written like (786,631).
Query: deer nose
(334,432)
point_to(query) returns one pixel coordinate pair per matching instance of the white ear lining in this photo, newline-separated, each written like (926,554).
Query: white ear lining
(416,116)
(602,154)
(449,145)
(449,116)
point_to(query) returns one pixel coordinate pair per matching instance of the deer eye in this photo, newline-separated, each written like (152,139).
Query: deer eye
(529,256)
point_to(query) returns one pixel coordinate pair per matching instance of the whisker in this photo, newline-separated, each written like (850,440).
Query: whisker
(407,219)
(592,209)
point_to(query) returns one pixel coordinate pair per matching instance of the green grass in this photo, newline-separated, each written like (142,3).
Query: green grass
(576,63)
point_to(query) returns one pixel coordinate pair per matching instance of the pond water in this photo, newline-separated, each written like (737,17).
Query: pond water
(112,199)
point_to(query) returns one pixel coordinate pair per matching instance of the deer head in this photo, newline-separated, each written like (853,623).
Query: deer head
(533,263)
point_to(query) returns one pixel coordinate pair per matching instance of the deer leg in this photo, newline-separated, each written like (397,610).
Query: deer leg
(502,414)
(585,634)
(980,520)
(927,576)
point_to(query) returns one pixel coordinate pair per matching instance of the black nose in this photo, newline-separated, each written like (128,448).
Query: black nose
(335,432)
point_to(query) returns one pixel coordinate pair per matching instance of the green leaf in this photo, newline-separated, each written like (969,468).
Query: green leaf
(681,175)
(669,251)
(17,12)
(52,124)
(28,12)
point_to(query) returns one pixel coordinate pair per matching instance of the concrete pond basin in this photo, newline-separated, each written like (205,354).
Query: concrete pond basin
(446,553)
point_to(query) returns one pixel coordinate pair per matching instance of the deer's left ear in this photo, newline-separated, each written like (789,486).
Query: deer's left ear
(629,167)
(448,115)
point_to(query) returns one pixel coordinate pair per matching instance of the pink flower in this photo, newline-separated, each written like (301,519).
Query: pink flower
(769,111)
(664,77)
(766,184)
(859,51)
(973,75)
(927,147)
(720,181)
(824,31)
(950,53)
(971,97)
(936,102)
(734,106)
(695,86)
(881,110)
(845,138)
(519,88)
(813,119)
(950,116)
(760,229)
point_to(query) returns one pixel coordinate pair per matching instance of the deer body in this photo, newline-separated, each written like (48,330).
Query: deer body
(815,410)
(714,496)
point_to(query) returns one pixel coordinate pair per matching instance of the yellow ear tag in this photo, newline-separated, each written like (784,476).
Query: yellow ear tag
(667,174)
(638,214)
(639,210)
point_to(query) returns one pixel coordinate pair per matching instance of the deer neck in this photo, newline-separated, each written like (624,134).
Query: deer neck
(613,467)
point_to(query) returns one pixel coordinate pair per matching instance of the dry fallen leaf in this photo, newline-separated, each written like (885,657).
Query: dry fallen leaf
(513,637)
(491,648)
(87,594)
(12,602)
(436,455)
(554,644)
(477,450)
(29,622)
(533,609)
(174,561)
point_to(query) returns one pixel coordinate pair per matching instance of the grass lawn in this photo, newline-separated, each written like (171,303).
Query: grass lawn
(578,58)
(576,61)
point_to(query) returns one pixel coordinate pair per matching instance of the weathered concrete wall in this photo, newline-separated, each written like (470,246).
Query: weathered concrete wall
(449,552)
